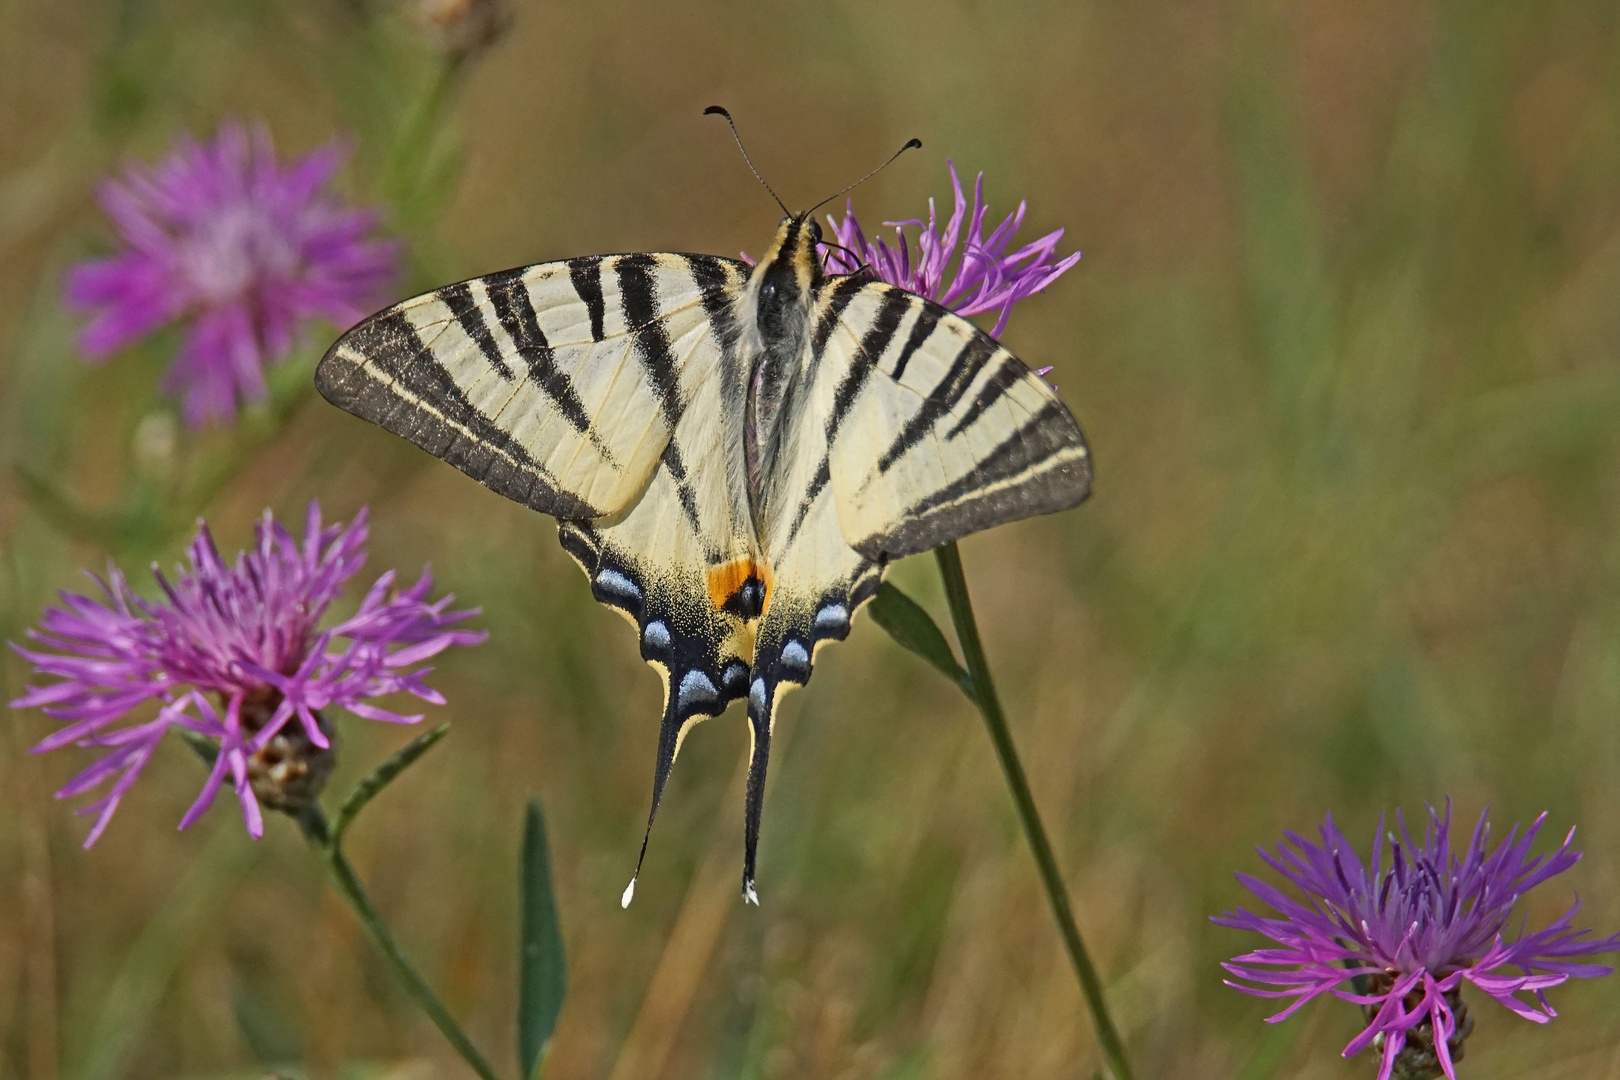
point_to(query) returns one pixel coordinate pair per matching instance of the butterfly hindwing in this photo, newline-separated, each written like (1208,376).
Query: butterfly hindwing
(701,650)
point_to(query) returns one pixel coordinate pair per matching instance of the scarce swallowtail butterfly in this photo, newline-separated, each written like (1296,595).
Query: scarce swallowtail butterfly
(734,453)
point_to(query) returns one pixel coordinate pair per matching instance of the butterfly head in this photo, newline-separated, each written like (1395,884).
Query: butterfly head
(787,276)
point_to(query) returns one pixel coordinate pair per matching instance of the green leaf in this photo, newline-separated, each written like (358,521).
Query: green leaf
(542,970)
(905,620)
(381,777)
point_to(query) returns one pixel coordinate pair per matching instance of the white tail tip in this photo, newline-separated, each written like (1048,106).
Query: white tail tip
(629,894)
(749,895)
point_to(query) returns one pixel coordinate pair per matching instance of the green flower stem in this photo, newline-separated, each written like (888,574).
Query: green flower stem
(984,695)
(347,883)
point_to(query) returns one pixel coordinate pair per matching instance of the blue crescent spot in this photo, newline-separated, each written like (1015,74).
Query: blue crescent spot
(832,617)
(795,654)
(656,635)
(612,581)
(696,688)
(756,696)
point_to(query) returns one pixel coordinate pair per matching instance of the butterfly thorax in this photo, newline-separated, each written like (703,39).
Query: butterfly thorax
(782,293)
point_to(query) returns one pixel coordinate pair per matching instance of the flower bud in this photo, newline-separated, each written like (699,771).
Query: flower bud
(461,28)
(289,772)
(1417,1060)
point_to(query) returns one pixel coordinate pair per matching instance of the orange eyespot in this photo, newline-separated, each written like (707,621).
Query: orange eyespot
(741,587)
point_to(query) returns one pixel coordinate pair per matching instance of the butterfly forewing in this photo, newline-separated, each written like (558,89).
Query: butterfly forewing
(946,433)
(557,385)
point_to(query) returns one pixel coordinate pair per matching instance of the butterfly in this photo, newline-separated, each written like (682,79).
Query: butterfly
(734,453)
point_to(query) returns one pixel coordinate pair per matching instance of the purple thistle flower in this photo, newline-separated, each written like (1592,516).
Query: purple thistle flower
(235,654)
(1408,935)
(986,278)
(220,236)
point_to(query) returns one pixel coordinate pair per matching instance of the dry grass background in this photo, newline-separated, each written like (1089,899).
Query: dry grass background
(1344,339)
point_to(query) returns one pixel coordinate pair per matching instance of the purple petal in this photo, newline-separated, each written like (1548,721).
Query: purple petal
(231,630)
(1431,913)
(245,250)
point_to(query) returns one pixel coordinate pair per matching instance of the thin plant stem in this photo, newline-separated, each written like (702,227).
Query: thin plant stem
(347,883)
(984,696)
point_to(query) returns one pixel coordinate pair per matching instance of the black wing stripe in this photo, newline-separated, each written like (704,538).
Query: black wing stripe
(921,330)
(582,545)
(638,293)
(683,487)
(509,296)
(1044,434)
(838,299)
(586,274)
(406,390)
(1005,378)
(714,282)
(942,398)
(458,298)
(885,324)
(818,483)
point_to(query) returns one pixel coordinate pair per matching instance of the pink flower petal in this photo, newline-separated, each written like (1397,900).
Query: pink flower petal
(232,631)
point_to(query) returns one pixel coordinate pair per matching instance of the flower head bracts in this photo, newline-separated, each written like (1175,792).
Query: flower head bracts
(987,278)
(234,653)
(222,237)
(1410,933)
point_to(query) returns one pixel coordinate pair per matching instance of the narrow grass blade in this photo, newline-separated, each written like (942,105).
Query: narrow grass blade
(903,619)
(381,777)
(543,972)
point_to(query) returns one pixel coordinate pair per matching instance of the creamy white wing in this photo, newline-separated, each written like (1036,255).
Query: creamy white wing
(557,385)
(935,431)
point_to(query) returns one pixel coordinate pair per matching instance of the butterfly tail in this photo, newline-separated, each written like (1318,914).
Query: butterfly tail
(761,714)
(669,741)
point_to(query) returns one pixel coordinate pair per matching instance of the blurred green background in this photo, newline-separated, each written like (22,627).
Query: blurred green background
(1344,340)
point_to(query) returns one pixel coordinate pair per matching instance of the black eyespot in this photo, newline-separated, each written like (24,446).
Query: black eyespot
(748,602)
(815,232)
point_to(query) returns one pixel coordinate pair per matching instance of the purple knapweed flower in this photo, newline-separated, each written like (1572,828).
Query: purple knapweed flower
(1407,936)
(986,277)
(222,237)
(235,653)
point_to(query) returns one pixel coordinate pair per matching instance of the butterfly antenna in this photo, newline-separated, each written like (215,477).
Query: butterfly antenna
(911,144)
(715,110)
